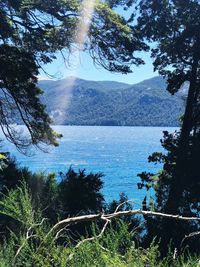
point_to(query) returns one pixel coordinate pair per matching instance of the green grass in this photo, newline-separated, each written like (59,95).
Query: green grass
(115,248)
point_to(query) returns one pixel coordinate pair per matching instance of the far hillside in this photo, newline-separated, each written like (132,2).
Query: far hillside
(112,103)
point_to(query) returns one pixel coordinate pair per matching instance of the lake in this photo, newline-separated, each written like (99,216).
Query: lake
(118,152)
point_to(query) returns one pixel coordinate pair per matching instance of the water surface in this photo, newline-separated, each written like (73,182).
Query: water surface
(118,152)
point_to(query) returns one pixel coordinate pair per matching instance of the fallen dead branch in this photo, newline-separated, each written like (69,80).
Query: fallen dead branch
(117,214)
(57,229)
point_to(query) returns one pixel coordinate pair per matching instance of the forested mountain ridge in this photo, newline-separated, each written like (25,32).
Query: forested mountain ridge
(111,103)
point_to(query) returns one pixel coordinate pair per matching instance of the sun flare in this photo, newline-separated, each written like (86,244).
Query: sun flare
(86,14)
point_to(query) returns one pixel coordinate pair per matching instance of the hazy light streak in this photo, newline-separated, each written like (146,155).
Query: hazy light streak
(81,33)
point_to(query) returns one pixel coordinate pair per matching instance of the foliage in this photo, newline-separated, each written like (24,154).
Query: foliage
(170,29)
(31,33)
(80,193)
(75,193)
(17,205)
(20,98)
(161,183)
(33,246)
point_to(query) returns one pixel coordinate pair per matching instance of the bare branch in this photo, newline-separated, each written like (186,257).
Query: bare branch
(175,254)
(75,220)
(190,235)
(59,227)
(150,213)
(101,216)
(108,217)
(125,202)
(28,236)
(58,234)
(91,238)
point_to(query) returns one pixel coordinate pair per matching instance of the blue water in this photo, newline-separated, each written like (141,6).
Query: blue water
(119,152)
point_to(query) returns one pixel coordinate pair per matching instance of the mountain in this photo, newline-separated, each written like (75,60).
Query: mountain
(74,101)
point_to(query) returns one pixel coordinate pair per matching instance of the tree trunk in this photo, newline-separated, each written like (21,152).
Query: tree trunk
(180,177)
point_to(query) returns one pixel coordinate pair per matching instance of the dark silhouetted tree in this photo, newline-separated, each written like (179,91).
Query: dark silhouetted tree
(31,32)
(171,30)
(79,193)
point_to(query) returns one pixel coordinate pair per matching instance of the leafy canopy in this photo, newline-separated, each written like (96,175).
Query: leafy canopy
(31,33)
(171,30)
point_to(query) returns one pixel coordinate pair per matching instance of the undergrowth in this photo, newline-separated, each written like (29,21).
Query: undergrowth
(31,243)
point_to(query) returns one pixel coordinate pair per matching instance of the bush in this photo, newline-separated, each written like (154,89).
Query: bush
(35,245)
(80,193)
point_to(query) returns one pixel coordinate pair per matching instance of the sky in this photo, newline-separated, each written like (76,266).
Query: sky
(88,71)
(81,65)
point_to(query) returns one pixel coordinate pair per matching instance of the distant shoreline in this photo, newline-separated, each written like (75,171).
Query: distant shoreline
(91,103)
(123,126)
(96,125)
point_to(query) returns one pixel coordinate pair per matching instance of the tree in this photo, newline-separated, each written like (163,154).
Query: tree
(161,183)
(80,193)
(31,32)
(170,29)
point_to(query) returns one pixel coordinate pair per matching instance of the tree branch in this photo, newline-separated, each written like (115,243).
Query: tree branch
(91,238)
(101,216)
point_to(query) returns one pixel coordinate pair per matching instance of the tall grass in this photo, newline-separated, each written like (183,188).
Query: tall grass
(29,245)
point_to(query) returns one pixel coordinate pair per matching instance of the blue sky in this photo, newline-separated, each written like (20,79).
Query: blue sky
(86,70)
